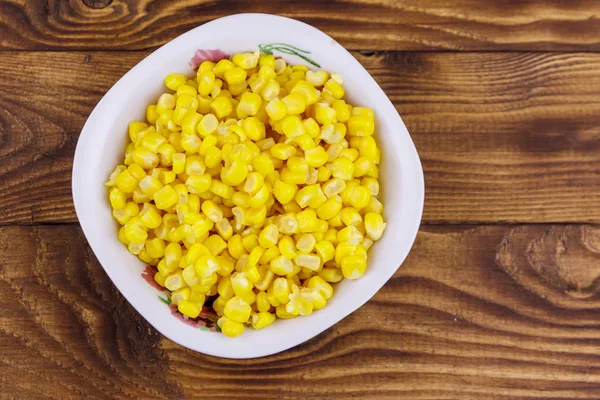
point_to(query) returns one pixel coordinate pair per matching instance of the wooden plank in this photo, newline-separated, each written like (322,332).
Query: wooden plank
(356,24)
(495,311)
(503,137)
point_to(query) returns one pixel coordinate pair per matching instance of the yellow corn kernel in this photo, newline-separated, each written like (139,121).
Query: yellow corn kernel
(268,236)
(206,268)
(281,290)
(307,220)
(281,265)
(250,241)
(282,151)
(165,198)
(249,105)
(310,195)
(189,308)
(234,174)
(342,250)
(331,236)
(261,197)
(231,328)
(284,192)
(372,184)
(316,156)
(151,114)
(113,176)
(362,165)
(178,162)
(226,264)
(361,197)
(222,66)
(150,217)
(160,278)
(174,281)
(235,76)
(237,309)
(212,211)
(295,103)
(126,182)
(350,154)
(281,312)
(325,250)
(262,319)
(215,244)
(306,243)
(350,234)
(342,168)
(194,165)
(198,298)
(331,274)
(374,206)
(265,275)
(342,111)
(187,89)
(334,88)
(323,174)
(221,106)
(276,109)
(287,223)
(317,78)
(197,184)
(353,266)
(174,81)
(221,189)
(333,187)
(135,128)
(225,288)
(180,295)
(291,177)
(374,225)
(297,164)
(309,261)
(235,247)
(324,114)
(223,227)
(150,185)
(348,191)
(117,197)
(190,143)
(361,125)
(287,247)
(330,208)
(270,90)
(245,60)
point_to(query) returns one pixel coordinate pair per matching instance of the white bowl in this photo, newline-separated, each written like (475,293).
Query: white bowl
(102,143)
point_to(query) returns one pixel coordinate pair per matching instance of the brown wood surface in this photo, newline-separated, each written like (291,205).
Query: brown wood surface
(356,24)
(503,312)
(511,137)
(503,304)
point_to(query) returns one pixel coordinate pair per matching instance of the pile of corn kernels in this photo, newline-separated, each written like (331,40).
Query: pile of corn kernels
(254,186)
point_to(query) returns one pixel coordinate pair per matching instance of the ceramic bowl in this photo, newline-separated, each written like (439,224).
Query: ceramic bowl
(101,147)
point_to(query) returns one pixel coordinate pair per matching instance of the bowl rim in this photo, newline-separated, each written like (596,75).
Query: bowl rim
(417,197)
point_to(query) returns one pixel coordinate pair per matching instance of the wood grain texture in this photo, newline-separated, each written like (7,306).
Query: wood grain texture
(503,137)
(356,24)
(494,312)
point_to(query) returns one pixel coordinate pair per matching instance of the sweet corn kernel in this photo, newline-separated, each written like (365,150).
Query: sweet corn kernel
(276,109)
(374,225)
(281,265)
(231,328)
(237,310)
(353,266)
(165,197)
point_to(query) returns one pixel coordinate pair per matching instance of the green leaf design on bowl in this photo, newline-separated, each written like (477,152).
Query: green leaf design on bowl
(287,49)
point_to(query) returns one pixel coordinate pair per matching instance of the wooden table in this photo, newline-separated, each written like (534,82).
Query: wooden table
(499,297)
